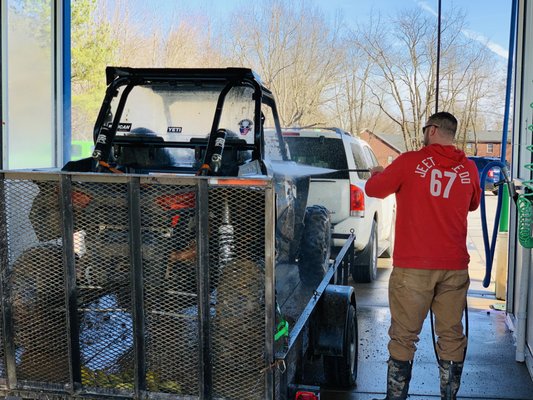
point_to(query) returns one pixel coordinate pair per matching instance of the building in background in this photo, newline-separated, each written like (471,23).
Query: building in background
(388,146)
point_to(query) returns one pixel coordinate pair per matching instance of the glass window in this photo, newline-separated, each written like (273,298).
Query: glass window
(30,123)
(273,144)
(360,162)
(319,152)
(490,148)
(185,111)
(374,161)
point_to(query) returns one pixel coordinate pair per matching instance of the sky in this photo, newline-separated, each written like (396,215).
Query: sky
(488,20)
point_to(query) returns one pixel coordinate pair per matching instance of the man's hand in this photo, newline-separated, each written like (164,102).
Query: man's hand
(377,169)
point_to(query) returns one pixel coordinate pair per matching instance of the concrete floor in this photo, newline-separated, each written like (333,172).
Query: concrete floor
(490,370)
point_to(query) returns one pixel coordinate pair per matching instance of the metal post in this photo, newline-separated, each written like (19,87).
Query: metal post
(504,216)
(501,250)
(71,295)
(66,80)
(135,244)
(202,268)
(8,333)
(270,283)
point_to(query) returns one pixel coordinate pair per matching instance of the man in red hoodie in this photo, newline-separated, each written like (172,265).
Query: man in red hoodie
(435,189)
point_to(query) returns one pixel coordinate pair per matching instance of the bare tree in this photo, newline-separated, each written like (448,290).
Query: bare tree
(403,51)
(297,52)
(351,107)
(143,41)
(382,77)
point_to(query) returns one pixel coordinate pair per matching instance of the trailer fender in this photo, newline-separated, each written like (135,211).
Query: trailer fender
(328,324)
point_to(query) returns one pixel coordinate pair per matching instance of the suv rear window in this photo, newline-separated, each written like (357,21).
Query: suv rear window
(319,152)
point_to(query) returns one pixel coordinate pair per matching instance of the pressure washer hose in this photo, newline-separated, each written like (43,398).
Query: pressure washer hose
(490,247)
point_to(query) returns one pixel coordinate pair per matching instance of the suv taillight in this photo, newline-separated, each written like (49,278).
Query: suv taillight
(357,202)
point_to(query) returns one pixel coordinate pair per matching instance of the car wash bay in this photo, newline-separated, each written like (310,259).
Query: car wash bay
(491,371)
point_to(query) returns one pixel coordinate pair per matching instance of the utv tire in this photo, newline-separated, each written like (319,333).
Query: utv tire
(366,262)
(341,372)
(315,245)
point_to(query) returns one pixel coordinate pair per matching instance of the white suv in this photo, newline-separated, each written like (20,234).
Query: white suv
(342,192)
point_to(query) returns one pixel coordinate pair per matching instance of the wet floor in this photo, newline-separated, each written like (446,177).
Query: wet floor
(490,371)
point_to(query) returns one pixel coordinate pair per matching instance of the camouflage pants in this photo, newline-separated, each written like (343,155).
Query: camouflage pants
(412,292)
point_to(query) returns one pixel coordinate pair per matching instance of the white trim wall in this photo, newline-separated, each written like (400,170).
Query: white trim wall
(520,282)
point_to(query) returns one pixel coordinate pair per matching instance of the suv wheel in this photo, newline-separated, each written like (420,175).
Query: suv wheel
(366,262)
(315,245)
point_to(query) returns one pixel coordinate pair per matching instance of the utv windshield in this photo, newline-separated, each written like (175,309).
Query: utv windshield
(184,111)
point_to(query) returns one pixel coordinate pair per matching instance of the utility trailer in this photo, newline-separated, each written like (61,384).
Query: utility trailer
(195,273)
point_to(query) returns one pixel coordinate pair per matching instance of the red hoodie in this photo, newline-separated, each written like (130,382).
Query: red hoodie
(435,189)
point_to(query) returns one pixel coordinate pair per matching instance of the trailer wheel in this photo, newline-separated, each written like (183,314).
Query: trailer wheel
(341,371)
(366,262)
(315,245)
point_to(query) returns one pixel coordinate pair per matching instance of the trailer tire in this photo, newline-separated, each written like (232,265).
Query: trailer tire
(315,245)
(341,371)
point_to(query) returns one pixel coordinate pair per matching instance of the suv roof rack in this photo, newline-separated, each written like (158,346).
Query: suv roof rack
(329,128)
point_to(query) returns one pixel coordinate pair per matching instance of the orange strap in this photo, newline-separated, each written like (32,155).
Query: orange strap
(109,167)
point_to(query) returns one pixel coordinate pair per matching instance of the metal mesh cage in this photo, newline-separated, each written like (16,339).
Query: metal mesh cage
(107,289)
(101,245)
(170,286)
(237,277)
(34,282)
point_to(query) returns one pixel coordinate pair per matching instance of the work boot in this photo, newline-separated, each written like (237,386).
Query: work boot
(450,379)
(398,378)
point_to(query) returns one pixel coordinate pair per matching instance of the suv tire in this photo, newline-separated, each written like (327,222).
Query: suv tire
(315,245)
(366,262)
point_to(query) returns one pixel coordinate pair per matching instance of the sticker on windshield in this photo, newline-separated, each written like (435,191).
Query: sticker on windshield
(245,126)
(174,129)
(122,126)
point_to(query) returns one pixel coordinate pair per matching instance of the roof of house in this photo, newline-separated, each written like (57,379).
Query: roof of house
(395,140)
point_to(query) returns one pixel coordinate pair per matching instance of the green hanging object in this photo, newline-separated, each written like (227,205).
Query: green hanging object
(525,208)
(525,219)
(282,330)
